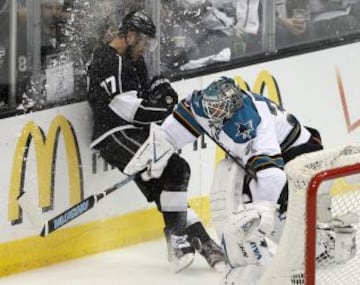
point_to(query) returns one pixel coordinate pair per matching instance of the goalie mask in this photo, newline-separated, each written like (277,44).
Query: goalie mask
(221,99)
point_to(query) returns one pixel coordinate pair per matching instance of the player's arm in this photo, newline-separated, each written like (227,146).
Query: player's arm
(181,126)
(157,104)
(163,141)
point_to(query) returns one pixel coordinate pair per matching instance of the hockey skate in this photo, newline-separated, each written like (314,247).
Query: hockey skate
(212,253)
(180,251)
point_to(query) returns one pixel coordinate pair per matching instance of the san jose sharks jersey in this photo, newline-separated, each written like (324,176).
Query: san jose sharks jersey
(257,133)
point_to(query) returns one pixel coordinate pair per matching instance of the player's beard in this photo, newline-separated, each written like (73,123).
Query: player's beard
(133,52)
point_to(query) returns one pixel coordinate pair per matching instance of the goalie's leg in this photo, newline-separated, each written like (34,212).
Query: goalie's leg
(244,243)
(335,235)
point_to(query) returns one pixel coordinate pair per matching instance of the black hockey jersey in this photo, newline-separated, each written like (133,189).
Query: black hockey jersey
(110,76)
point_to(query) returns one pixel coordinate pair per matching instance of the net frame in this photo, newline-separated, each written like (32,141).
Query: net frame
(311,214)
(307,176)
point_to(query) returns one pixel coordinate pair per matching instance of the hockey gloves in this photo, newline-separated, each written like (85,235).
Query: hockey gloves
(161,93)
(152,157)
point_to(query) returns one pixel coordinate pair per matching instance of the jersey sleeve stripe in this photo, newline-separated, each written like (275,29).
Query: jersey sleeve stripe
(291,137)
(261,162)
(185,117)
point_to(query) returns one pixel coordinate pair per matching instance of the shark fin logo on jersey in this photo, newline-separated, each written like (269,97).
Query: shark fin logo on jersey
(245,130)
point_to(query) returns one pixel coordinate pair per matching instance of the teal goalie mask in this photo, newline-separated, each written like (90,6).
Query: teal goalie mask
(221,99)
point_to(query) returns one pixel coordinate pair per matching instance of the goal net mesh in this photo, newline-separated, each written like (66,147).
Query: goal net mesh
(339,170)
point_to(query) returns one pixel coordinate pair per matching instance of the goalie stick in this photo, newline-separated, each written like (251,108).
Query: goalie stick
(47,227)
(248,170)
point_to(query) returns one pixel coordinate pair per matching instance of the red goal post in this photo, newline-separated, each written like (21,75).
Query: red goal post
(333,172)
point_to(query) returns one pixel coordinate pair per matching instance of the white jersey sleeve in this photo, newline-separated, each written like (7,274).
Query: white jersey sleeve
(176,133)
(181,127)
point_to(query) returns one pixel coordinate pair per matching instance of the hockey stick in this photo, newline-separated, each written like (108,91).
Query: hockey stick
(53,224)
(248,170)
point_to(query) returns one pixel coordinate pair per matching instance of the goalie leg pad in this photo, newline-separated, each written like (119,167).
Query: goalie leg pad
(225,193)
(334,246)
(336,240)
(253,222)
(242,254)
(244,232)
(248,275)
(345,245)
(242,225)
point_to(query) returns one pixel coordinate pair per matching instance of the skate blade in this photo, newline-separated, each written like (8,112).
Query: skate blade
(220,266)
(184,262)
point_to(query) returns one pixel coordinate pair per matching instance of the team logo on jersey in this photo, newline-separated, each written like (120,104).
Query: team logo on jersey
(245,130)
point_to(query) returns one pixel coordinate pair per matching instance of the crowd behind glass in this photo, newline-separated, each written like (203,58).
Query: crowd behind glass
(46,45)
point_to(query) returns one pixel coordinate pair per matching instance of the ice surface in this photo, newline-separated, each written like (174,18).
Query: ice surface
(141,264)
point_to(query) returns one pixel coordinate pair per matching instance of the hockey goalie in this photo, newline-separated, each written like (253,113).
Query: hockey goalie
(249,196)
(246,228)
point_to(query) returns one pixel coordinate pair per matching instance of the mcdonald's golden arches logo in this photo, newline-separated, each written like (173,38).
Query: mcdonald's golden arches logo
(45,148)
(263,80)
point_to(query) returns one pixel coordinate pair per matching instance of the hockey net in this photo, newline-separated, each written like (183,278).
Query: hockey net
(334,172)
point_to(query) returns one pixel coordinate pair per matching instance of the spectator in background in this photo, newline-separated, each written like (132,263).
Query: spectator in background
(355,8)
(332,18)
(201,35)
(292,23)
(60,58)
(4,36)
(177,47)
(247,37)
(289,28)
(124,7)
(52,28)
(22,72)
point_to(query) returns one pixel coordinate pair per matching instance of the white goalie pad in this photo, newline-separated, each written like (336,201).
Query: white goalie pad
(242,275)
(336,241)
(253,222)
(336,235)
(225,193)
(152,156)
(245,231)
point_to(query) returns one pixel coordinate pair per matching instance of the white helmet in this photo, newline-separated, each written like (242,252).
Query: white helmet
(221,99)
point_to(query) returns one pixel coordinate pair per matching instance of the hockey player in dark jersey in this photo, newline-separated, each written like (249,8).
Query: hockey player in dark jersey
(124,104)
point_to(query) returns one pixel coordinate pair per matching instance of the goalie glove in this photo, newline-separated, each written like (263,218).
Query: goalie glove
(152,157)
(162,94)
